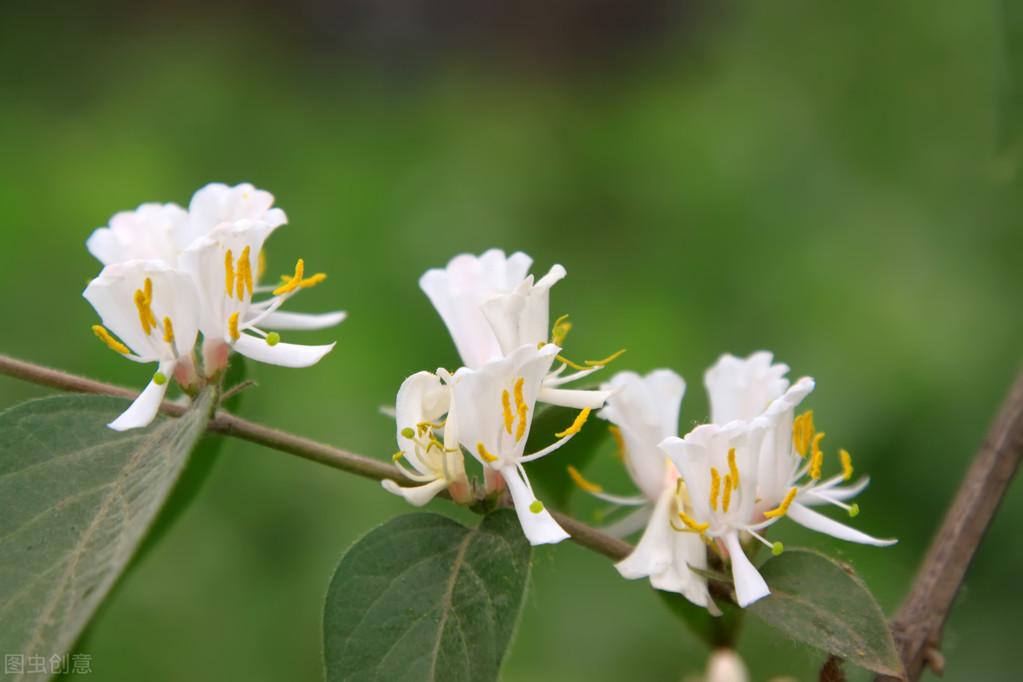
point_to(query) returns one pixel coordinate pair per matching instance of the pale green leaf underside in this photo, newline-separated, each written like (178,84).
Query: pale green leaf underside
(821,602)
(423,598)
(76,499)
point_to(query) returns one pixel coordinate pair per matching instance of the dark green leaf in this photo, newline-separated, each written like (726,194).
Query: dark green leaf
(423,598)
(821,602)
(76,498)
(548,474)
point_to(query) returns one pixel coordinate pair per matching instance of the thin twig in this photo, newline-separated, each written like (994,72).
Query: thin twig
(230,425)
(918,625)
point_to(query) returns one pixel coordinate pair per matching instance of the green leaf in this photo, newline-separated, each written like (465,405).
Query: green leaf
(76,498)
(822,602)
(423,597)
(548,475)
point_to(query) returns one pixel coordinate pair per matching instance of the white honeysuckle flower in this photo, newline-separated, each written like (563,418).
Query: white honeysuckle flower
(645,411)
(719,467)
(725,665)
(495,404)
(437,464)
(789,464)
(223,264)
(150,232)
(153,310)
(217,203)
(492,306)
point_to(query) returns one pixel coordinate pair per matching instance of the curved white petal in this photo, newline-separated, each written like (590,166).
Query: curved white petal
(840,493)
(749,584)
(288,321)
(283,354)
(653,552)
(742,388)
(415,495)
(539,528)
(573,398)
(688,550)
(144,408)
(635,520)
(822,524)
(218,203)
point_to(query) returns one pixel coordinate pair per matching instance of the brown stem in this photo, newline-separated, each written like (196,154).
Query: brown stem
(918,625)
(230,425)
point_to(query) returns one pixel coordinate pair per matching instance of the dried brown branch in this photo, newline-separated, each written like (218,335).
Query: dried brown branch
(917,627)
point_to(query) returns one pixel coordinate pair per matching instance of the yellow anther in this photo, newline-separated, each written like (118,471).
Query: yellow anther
(398,455)
(509,417)
(146,317)
(232,326)
(229,273)
(606,361)
(168,330)
(578,479)
(847,467)
(244,275)
(573,365)
(691,523)
(521,408)
(113,344)
(726,496)
(485,454)
(816,457)
(715,488)
(802,432)
(293,282)
(782,508)
(733,470)
(560,330)
(312,281)
(148,290)
(261,264)
(519,400)
(616,433)
(577,425)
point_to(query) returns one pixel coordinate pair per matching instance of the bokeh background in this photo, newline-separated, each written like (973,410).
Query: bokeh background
(836,182)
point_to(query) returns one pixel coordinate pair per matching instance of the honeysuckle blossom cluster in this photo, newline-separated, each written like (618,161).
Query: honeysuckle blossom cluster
(170,274)
(722,485)
(499,319)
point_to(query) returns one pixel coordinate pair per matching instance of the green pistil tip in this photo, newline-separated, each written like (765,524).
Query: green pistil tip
(854,509)
(273,338)
(777,548)
(536,506)
(408,432)
(159,378)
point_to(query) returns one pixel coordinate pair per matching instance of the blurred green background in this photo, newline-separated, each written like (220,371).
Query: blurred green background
(836,182)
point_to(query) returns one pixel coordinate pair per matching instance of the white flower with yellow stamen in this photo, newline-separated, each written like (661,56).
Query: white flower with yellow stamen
(645,410)
(495,404)
(217,203)
(223,265)
(492,306)
(150,232)
(422,410)
(150,313)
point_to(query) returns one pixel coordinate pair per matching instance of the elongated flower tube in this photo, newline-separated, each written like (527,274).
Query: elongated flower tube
(718,465)
(150,232)
(492,306)
(645,411)
(422,411)
(150,313)
(495,404)
(224,267)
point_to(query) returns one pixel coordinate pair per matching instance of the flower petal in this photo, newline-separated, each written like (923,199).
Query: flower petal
(653,552)
(286,321)
(749,584)
(822,524)
(283,354)
(417,495)
(539,528)
(573,398)
(143,410)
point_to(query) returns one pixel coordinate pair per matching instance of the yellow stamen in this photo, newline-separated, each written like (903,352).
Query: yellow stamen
(168,330)
(606,361)
(726,497)
(616,433)
(691,523)
(146,317)
(847,467)
(309,282)
(232,326)
(522,409)
(261,264)
(229,273)
(148,287)
(577,425)
(573,365)
(560,330)
(816,457)
(802,432)
(398,455)
(113,344)
(509,418)
(733,471)
(293,282)
(244,274)
(782,508)
(487,457)
(715,488)
(578,479)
